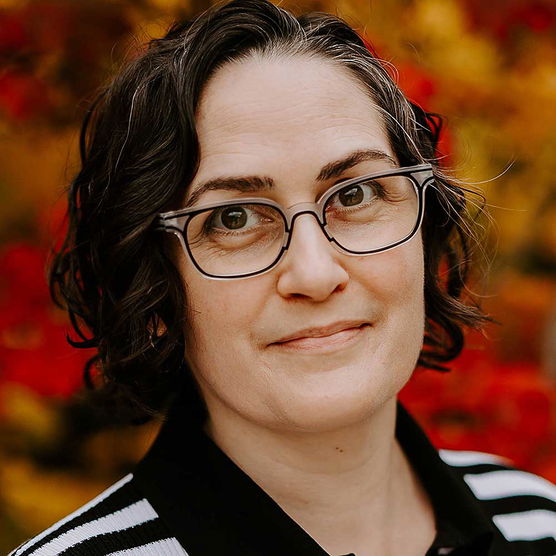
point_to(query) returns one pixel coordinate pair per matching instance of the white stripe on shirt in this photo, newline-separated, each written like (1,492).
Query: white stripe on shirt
(166,547)
(103,495)
(526,526)
(135,514)
(504,483)
(465,458)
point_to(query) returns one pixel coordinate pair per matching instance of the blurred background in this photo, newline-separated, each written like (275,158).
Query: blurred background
(488,67)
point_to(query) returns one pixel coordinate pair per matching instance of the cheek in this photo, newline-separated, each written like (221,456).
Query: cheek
(220,348)
(395,277)
(213,312)
(220,312)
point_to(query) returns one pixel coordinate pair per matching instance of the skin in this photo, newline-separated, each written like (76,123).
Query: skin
(311,421)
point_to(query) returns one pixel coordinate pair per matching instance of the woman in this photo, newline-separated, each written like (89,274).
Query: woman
(296,291)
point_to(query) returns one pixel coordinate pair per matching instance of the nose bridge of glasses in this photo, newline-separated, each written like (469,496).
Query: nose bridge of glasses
(298,209)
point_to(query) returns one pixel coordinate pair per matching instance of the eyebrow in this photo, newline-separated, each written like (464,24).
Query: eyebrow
(337,168)
(243,184)
(247,184)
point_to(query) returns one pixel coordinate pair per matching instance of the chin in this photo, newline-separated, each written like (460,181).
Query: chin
(325,411)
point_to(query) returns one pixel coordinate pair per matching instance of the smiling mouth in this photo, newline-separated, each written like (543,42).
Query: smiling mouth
(334,340)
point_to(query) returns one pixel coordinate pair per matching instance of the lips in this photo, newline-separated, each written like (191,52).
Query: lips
(321,331)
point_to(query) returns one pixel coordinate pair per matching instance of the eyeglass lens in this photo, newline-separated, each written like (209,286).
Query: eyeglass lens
(247,238)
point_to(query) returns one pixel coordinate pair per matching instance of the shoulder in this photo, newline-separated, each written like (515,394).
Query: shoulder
(522,505)
(118,521)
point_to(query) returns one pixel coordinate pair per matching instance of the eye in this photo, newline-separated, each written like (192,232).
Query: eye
(354,195)
(239,218)
(231,218)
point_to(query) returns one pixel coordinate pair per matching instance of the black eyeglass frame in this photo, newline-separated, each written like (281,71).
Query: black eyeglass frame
(177,221)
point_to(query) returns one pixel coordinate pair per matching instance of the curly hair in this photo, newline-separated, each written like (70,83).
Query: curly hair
(139,151)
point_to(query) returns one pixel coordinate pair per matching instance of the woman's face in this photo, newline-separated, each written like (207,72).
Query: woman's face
(358,320)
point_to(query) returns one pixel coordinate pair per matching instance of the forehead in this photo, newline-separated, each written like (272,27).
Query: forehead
(276,115)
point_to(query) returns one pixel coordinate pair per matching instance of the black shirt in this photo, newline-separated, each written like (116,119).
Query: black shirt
(186,497)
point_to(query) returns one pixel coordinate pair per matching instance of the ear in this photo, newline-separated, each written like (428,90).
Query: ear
(156,328)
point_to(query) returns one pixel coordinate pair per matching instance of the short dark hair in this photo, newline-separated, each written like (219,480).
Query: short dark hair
(139,151)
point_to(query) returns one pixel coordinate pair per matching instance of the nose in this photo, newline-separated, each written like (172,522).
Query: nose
(311,268)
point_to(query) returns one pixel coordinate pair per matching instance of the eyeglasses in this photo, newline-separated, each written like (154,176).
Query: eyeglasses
(249,236)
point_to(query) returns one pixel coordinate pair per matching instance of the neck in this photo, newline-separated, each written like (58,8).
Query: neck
(332,483)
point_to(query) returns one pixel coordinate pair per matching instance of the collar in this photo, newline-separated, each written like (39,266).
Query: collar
(460,520)
(212,507)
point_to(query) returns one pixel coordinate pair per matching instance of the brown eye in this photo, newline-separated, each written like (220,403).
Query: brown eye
(356,195)
(352,196)
(240,219)
(233,218)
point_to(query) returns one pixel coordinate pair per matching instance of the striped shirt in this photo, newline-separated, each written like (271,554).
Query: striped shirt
(195,501)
